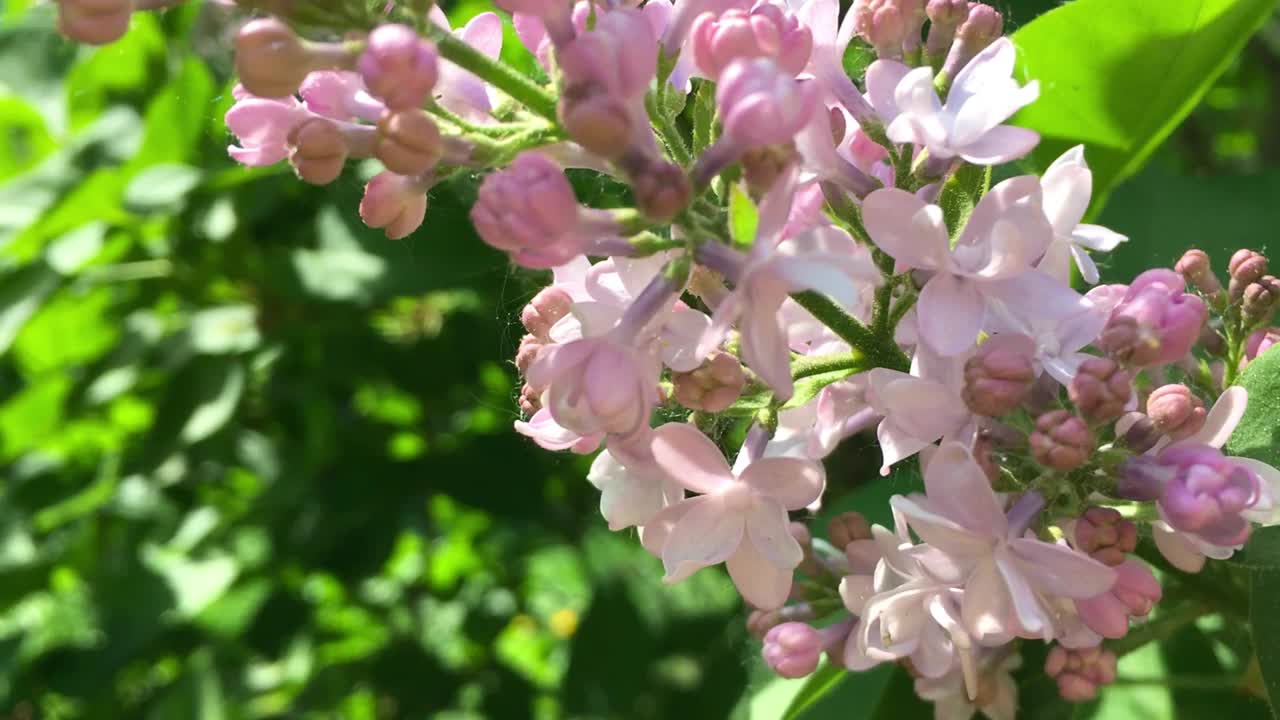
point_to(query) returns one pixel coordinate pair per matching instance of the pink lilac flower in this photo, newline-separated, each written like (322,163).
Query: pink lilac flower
(457,90)
(1135,592)
(920,408)
(1155,322)
(768,29)
(997,700)
(340,95)
(262,127)
(1005,233)
(1009,576)
(968,124)
(543,429)
(740,517)
(1060,324)
(631,493)
(395,203)
(1068,186)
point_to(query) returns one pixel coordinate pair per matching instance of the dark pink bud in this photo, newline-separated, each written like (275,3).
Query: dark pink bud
(530,400)
(760,104)
(544,310)
(1205,493)
(1105,535)
(792,650)
(661,189)
(528,351)
(270,59)
(318,152)
(395,203)
(1156,322)
(619,55)
(1245,266)
(883,24)
(408,142)
(767,30)
(945,16)
(1101,389)
(848,527)
(982,27)
(1135,592)
(398,67)
(528,210)
(94,22)
(713,386)
(1061,441)
(1080,672)
(1260,299)
(1195,268)
(998,378)
(1176,411)
(596,120)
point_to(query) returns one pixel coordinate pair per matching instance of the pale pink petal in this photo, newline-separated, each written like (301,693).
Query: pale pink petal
(1027,608)
(484,33)
(1223,418)
(653,536)
(992,66)
(707,535)
(1096,237)
(1266,510)
(628,495)
(919,408)
(907,228)
(1056,262)
(896,444)
(958,488)
(1088,268)
(882,81)
(941,531)
(950,310)
(1177,548)
(767,529)
(816,273)
(934,655)
(681,333)
(533,35)
(1067,189)
(985,607)
(762,584)
(550,435)
(690,457)
(999,145)
(1059,570)
(793,482)
(764,346)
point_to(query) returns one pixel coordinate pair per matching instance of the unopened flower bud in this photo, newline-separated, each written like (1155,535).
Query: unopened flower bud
(761,166)
(1194,266)
(945,17)
(1261,341)
(528,351)
(981,28)
(1061,441)
(272,61)
(408,142)
(792,650)
(883,24)
(761,104)
(997,379)
(1101,389)
(395,203)
(1080,672)
(1260,299)
(1246,266)
(596,120)
(1176,411)
(544,310)
(318,152)
(661,189)
(1105,535)
(94,22)
(528,210)
(1137,433)
(1133,595)
(846,528)
(711,387)
(766,30)
(398,67)
(530,400)
(1155,323)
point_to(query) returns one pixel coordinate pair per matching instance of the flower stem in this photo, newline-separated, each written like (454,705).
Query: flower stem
(667,130)
(493,72)
(821,364)
(880,352)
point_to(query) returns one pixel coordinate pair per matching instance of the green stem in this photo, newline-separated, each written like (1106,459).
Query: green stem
(668,131)
(493,72)
(821,364)
(1162,627)
(879,351)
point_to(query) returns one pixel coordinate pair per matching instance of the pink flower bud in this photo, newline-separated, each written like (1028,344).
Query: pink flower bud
(792,650)
(1261,341)
(1245,266)
(1195,268)
(94,22)
(1206,492)
(528,210)
(596,385)
(536,8)
(848,527)
(981,28)
(530,400)
(398,67)
(766,30)
(1156,322)
(619,55)
(271,60)
(263,127)
(408,142)
(319,151)
(882,23)
(395,203)
(998,378)
(713,386)
(596,120)
(530,346)
(1135,592)
(544,310)
(1105,535)
(1176,411)
(1061,441)
(945,16)
(760,104)
(661,189)
(1080,672)
(1101,389)
(1260,299)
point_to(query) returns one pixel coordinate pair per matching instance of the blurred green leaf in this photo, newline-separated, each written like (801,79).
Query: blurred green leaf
(1258,434)
(226,329)
(216,391)
(743,217)
(160,187)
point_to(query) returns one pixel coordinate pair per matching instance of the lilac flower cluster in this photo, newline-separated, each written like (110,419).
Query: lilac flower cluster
(808,259)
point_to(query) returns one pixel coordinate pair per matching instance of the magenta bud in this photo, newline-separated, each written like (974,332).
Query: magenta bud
(544,310)
(760,104)
(528,210)
(1101,389)
(1206,492)
(1195,268)
(395,203)
(1133,595)
(713,386)
(1080,672)
(767,30)
(1176,411)
(1105,535)
(1061,441)
(94,22)
(408,142)
(792,650)
(619,56)
(883,24)
(982,27)
(998,378)
(1245,266)
(318,152)
(1155,323)
(398,67)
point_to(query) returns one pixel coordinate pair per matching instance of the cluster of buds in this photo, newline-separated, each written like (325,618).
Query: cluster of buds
(730,296)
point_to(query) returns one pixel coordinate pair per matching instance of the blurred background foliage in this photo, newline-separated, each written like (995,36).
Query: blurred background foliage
(257,460)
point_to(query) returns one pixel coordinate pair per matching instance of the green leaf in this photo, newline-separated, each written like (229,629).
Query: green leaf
(808,388)
(1258,434)
(217,390)
(899,700)
(704,114)
(744,217)
(1120,76)
(835,693)
(226,329)
(22,292)
(961,193)
(195,584)
(161,187)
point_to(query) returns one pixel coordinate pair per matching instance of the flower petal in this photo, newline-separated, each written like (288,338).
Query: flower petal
(958,488)
(708,534)
(1059,570)
(793,482)
(690,457)
(768,529)
(907,228)
(950,310)
(985,605)
(999,145)
(1223,418)
(1179,550)
(941,531)
(760,582)
(1067,189)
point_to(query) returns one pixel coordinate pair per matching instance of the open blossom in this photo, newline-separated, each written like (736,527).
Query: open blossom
(1060,324)
(1155,321)
(597,384)
(740,518)
(548,434)
(1010,579)
(996,696)
(631,493)
(1005,234)
(262,126)
(1068,187)
(968,124)
(457,90)
(920,408)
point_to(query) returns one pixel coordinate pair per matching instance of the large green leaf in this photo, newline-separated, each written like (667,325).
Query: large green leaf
(1120,75)
(1258,434)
